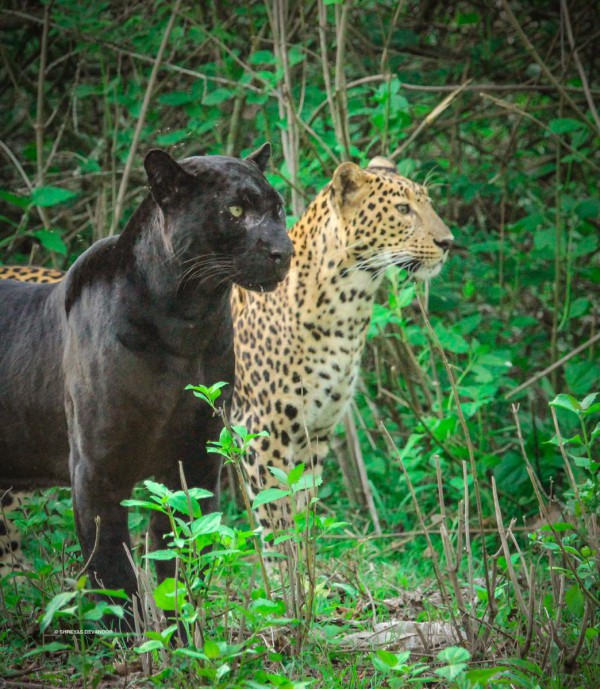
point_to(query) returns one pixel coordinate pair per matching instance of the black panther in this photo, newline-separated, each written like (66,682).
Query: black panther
(93,369)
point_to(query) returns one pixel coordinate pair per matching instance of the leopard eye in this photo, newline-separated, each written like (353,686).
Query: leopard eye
(403,208)
(236,211)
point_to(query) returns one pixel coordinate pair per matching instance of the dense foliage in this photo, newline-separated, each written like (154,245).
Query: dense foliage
(488,103)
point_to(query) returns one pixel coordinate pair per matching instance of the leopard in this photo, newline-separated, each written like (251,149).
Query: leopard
(36,274)
(298,349)
(94,367)
(11,556)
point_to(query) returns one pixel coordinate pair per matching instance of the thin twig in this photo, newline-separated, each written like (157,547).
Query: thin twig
(141,120)
(534,54)
(582,75)
(556,364)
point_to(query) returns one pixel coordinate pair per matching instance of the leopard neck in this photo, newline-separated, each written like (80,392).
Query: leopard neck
(324,266)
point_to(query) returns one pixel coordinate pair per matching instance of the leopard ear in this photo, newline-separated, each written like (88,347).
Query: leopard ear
(261,156)
(348,184)
(165,176)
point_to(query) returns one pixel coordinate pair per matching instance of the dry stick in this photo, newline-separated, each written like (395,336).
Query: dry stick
(467,435)
(540,497)
(453,560)
(506,550)
(425,531)
(96,541)
(430,119)
(511,107)
(242,480)
(533,52)
(563,452)
(547,370)
(341,90)
(584,81)
(137,56)
(39,116)
(359,464)
(141,120)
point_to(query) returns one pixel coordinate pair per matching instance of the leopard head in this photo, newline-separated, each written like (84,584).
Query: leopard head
(388,220)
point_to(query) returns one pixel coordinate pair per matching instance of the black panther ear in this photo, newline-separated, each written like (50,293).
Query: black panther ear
(165,176)
(261,156)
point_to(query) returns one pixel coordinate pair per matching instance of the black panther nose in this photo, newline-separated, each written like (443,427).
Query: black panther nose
(444,244)
(280,257)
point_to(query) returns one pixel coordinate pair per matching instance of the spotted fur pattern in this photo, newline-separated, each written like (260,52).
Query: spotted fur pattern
(298,349)
(10,538)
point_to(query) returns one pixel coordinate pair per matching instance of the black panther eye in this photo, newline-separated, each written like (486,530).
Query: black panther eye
(403,208)
(236,211)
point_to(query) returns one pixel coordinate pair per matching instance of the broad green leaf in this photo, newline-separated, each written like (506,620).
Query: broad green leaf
(161,555)
(52,241)
(218,96)
(574,600)
(177,98)
(52,647)
(164,594)
(172,138)
(567,402)
(142,503)
(269,495)
(387,658)
(295,474)
(179,501)
(157,488)
(563,125)
(279,474)
(212,650)
(152,645)
(209,523)
(588,400)
(59,601)
(21,202)
(51,196)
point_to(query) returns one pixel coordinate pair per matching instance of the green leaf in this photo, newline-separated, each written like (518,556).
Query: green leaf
(48,648)
(265,57)
(157,488)
(142,503)
(588,400)
(173,137)
(52,241)
(574,600)
(161,555)
(209,523)
(179,502)
(147,646)
(279,474)
(212,650)
(21,202)
(164,594)
(563,125)
(269,495)
(177,98)
(218,96)
(387,658)
(295,474)
(58,602)
(51,196)
(307,482)
(483,676)
(567,402)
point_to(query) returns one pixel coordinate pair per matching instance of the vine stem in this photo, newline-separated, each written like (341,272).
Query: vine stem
(141,120)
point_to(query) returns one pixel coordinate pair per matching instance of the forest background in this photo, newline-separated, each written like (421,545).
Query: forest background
(492,105)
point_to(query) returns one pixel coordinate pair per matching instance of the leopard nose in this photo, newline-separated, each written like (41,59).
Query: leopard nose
(444,244)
